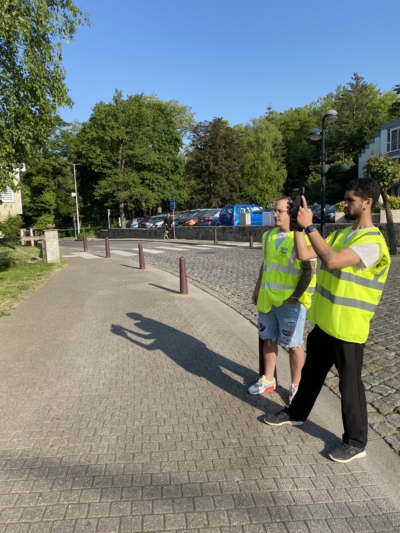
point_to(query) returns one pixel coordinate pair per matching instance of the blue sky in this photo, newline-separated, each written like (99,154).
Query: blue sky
(229,59)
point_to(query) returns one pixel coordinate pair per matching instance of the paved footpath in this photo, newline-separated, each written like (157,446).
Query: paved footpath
(124,409)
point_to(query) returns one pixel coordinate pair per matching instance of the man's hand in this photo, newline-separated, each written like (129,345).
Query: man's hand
(291,302)
(305,215)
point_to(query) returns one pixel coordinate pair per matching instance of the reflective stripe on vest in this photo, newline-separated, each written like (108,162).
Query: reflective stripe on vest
(281,273)
(346,298)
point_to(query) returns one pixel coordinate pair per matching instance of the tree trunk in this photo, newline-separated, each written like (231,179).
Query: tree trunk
(390,224)
(122,214)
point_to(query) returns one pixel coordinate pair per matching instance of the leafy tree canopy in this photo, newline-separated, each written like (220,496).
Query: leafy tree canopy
(32,77)
(214,161)
(132,148)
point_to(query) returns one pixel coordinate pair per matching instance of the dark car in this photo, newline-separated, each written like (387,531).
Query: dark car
(187,216)
(210,218)
(193,220)
(152,222)
(330,211)
(134,222)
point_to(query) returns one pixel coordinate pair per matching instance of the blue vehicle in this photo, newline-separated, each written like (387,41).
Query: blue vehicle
(230,214)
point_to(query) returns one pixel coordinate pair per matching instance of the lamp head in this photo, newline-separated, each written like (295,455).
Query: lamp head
(315,134)
(331,116)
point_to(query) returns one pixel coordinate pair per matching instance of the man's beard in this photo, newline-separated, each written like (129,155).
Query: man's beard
(355,215)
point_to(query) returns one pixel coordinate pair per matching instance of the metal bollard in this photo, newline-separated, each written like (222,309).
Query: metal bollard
(85,247)
(183,285)
(251,239)
(215,236)
(142,266)
(107,242)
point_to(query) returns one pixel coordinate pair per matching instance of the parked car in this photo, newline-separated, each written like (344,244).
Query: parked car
(230,214)
(134,222)
(193,220)
(152,222)
(210,218)
(187,216)
(330,211)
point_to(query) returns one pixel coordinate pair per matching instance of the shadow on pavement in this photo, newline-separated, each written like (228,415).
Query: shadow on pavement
(207,364)
(164,288)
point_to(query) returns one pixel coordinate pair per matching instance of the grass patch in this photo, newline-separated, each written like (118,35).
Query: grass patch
(20,268)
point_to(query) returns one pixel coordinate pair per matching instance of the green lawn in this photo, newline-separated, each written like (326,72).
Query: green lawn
(20,268)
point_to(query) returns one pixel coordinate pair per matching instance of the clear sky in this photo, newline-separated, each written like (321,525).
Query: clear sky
(230,58)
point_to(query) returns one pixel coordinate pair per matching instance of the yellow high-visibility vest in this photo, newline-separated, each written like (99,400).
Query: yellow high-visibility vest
(346,298)
(281,273)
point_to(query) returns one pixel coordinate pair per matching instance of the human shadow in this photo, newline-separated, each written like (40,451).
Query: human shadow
(193,356)
(196,358)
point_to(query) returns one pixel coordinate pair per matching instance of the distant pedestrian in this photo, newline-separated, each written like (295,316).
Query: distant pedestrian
(282,294)
(355,265)
(168,223)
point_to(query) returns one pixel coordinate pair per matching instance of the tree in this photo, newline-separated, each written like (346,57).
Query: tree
(264,171)
(183,115)
(32,77)
(214,162)
(394,111)
(386,172)
(132,148)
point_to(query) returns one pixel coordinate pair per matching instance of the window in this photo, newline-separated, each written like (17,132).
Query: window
(8,196)
(257,210)
(393,140)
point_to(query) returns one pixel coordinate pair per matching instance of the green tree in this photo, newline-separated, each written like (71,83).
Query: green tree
(48,183)
(183,115)
(394,111)
(386,172)
(132,149)
(264,171)
(32,77)
(214,162)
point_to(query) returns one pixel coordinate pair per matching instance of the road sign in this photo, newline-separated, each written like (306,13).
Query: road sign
(172,205)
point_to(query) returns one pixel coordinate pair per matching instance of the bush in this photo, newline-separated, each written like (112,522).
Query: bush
(394,202)
(11,225)
(340,207)
(43,220)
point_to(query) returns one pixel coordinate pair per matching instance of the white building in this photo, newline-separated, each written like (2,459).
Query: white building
(387,139)
(11,202)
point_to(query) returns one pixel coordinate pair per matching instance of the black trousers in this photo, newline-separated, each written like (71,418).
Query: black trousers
(323,351)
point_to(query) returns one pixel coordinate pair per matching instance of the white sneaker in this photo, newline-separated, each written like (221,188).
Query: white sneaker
(262,385)
(292,393)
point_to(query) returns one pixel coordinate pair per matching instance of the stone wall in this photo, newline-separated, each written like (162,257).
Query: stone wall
(224,233)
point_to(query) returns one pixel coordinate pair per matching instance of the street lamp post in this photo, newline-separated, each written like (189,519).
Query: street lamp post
(317,134)
(76,198)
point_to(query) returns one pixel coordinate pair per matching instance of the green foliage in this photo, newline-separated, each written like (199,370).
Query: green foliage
(264,171)
(32,80)
(214,162)
(48,183)
(10,226)
(183,115)
(383,169)
(394,111)
(394,202)
(340,207)
(131,149)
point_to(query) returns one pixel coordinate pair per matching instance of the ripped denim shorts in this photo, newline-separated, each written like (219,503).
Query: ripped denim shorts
(285,323)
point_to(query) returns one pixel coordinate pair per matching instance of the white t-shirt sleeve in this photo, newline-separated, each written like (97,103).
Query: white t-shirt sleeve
(368,254)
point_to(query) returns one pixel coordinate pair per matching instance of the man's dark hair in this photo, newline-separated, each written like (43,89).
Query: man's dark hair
(365,188)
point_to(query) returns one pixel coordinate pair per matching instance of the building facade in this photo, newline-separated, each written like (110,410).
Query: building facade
(11,202)
(387,139)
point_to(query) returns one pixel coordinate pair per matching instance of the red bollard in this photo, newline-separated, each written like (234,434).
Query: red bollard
(251,239)
(85,248)
(108,255)
(142,266)
(215,236)
(183,285)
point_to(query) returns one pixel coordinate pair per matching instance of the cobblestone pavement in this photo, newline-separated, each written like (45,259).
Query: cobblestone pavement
(124,409)
(230,275)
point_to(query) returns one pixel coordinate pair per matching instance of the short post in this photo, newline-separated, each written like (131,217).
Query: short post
(107,242)
(50,246)
(215,236)
(251,239)
(85,248)
(183,285)
(142,266)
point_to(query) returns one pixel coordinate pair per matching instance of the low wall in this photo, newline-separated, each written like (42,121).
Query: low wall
(224,233)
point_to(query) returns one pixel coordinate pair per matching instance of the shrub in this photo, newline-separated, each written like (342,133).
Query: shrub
(340,207)
(11,225)
(394,202)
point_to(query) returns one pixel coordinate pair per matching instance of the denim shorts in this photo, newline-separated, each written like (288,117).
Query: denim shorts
(285,323)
